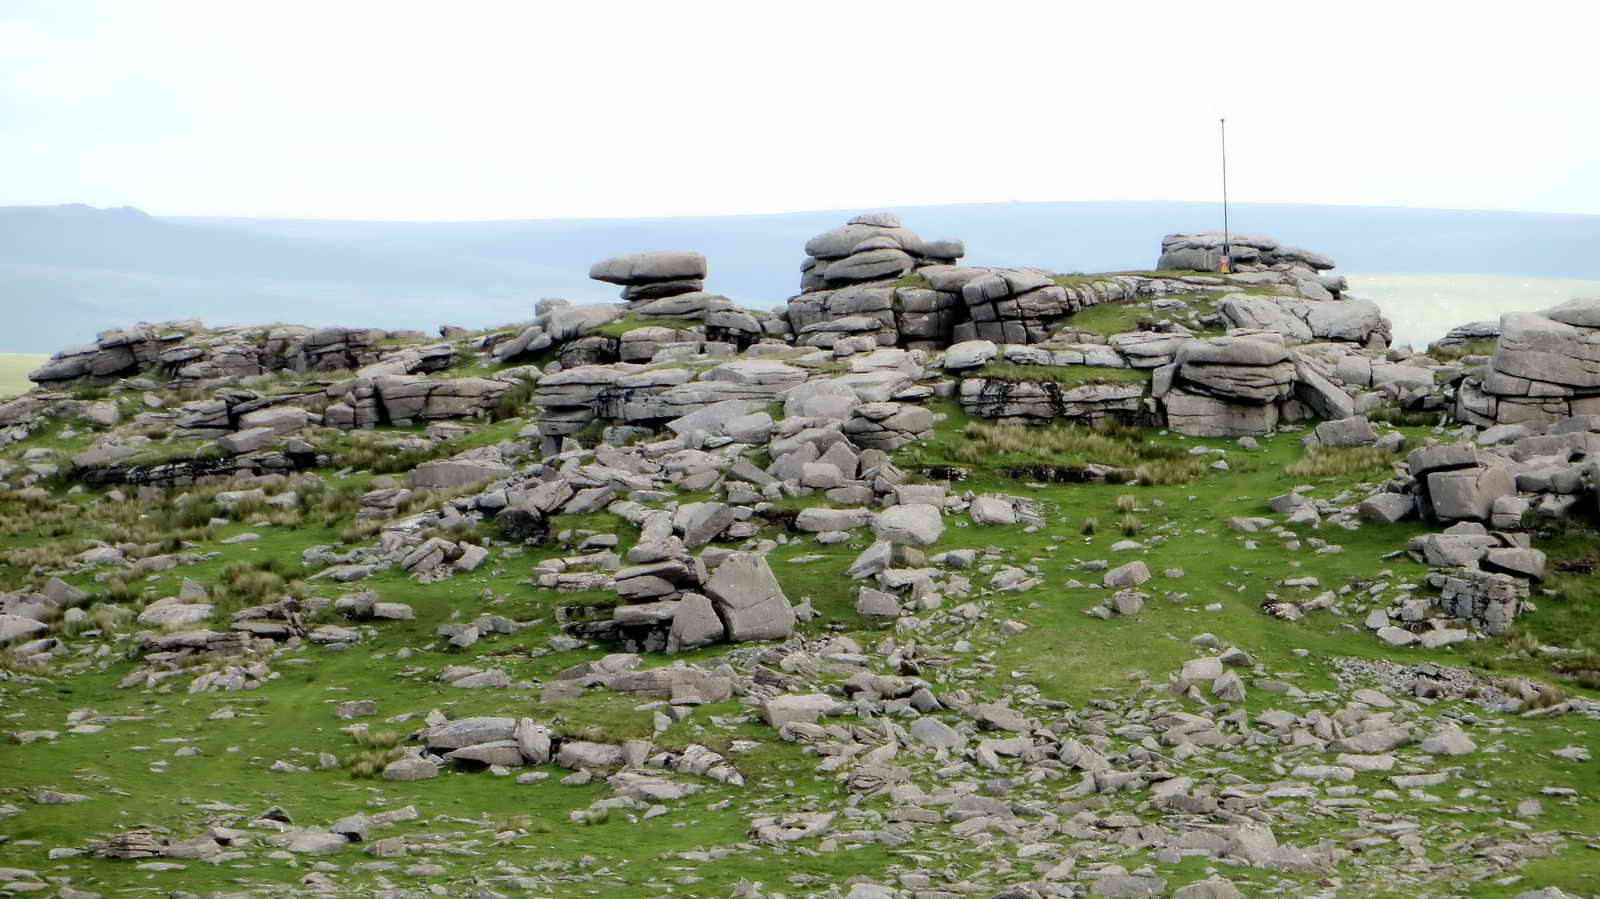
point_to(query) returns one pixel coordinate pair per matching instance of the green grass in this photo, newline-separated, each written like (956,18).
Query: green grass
(1064,655)
(1065,375)
(14,368)
(1483,347)
(1106,319)
(996,451)
(629,322)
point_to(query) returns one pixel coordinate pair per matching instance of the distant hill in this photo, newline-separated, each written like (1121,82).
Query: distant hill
(74,270)
(14,368)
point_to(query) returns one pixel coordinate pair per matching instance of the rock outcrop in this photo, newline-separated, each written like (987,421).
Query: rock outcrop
(1545,367)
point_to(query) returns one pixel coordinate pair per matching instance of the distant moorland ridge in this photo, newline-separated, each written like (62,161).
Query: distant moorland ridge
(78,270)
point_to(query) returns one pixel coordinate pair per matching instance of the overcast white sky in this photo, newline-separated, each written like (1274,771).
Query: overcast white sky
(469,110)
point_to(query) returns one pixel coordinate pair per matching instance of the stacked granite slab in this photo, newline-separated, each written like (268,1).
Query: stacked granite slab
(114,354)
(670,284)
(1546,367)
(185,351)
(1302,320)
(653,275)
(556,322)
(635,394)
(409,399)
(1227,386)
(1201,251)
(1299,307)
(848,290)
(1458,482)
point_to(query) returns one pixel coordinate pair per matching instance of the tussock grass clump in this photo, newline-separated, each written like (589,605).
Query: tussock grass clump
(1169,471)
(1109,443)
(369,763)
(1129,525)
(1127,502)
(110,619)
(368,452)
(1547,697)
(44,555)
(244,584)
(1090,525)
(118,590)
(1333,462)
(1481,347)
(32,666)
(367,738)
(513,401)
(359,531)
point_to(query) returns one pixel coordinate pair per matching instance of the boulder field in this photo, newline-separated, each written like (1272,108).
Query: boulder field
(932,581)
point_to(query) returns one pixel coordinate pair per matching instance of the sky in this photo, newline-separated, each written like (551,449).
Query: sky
(480,110)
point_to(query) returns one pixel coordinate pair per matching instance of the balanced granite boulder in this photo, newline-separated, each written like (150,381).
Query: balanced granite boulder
(653,274)
(871,247)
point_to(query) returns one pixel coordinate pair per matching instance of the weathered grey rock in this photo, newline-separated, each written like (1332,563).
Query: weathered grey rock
(806,708)
(500,752)
(1131,574)
(969,354)
(694,624)
(1128,886)
(872,560)
(817,519)
(1528,563)
(175,614)
(1449,739)
(701,523)
(1468,494)
(578,755)
(1354,431)
(877,604)
(991,509)
(16,628)
(930,731)
(453,473)
(464,732)
(748,599)
(1388,507)
(914,524)
(651,266)
(410,769)
(1214,887)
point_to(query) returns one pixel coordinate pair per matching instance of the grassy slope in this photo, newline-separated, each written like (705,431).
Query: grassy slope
(14,368)
(1065,654)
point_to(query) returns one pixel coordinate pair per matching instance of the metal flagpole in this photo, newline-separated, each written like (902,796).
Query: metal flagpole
(1226,262)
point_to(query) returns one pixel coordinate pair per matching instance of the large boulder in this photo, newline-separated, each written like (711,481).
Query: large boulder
(749,600)
(916,524)
(1468,494)
(1353,431)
